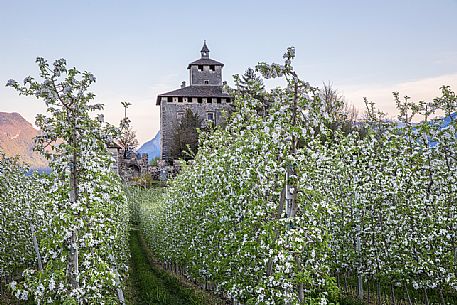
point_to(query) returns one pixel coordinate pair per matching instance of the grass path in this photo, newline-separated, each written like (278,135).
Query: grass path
(150,285)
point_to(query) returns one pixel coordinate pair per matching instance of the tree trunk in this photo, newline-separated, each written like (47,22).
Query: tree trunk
(37,249)
(301,293)
(426,297)
(443,302)
(407,295)
(392,295)
(74,261)
(338,282)
(346,282)
(378,292)
(74,247)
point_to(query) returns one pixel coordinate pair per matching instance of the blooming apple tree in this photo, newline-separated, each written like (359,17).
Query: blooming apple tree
(84,215)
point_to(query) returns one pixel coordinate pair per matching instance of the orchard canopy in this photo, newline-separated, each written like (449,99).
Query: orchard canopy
(280,206)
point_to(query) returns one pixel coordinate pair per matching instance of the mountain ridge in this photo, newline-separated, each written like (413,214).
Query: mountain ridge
(17,139)
(151,147)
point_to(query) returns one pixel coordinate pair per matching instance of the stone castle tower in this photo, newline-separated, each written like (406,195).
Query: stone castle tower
(203,97)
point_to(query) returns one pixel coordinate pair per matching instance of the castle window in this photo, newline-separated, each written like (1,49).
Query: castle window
(210,117)
(175,100)
(194,100)
(206,82)
(223,100)
(214,100)
(205,100)
(211,68)
(184,99)
(200,67)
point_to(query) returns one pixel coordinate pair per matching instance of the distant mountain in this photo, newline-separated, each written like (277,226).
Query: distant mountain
(152,147)
(16,139)
(447,120)
(443,123)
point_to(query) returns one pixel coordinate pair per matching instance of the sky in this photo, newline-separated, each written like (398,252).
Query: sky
(139,49)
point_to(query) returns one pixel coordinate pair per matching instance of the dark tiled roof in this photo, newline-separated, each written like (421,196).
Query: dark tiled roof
(205,61)
(195,91)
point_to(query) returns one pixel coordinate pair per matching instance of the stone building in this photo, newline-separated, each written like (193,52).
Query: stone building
(204,97)
(132,166)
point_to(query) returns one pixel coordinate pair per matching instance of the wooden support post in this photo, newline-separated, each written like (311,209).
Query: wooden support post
(120,292)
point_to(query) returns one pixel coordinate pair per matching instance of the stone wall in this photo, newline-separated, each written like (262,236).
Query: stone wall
(169,113)
(198,77)
(133,166)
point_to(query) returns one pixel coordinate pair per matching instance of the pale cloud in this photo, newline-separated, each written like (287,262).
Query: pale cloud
(421,89)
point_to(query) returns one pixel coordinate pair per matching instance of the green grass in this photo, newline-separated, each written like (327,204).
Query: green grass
(150,285)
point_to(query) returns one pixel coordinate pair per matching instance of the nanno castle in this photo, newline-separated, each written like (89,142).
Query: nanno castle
(204,96)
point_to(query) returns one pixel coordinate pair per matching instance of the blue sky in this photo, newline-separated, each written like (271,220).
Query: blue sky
(138,49)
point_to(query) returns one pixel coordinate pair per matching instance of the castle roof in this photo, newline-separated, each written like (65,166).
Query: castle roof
(205,61)
(195,91)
